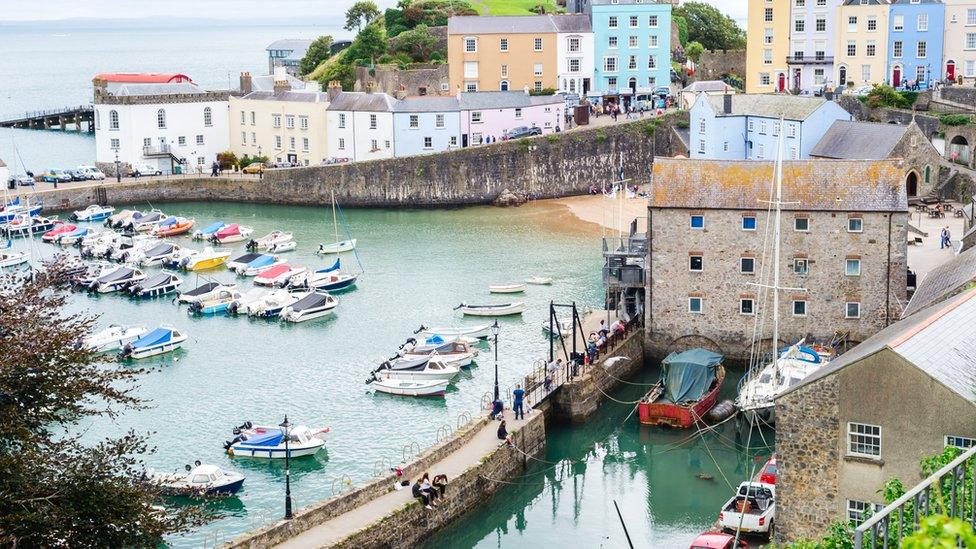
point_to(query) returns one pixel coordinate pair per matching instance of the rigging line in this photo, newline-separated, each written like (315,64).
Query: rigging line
(345,227)
(611,376)
(712,456)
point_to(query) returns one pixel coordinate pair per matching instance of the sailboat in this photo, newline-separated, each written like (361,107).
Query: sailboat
(764,382)
(338,246)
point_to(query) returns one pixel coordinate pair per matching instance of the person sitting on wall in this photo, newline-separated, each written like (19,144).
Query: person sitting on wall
(440,484)
(426,488)
(418,493)
(496,409)
(502,432)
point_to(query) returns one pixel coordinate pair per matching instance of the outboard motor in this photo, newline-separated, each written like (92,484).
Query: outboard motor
(184,262)
(232,308)
(195,307)
(459,306)
(252,245)
(410,341)
(126,352)
(420,329)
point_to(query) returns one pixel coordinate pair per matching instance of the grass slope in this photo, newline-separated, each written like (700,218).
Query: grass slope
(512,7)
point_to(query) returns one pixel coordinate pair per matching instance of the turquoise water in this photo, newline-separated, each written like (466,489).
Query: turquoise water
(418,266)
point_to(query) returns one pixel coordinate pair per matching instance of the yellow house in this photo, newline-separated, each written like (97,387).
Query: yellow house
(861,50)
(502,53)
(767,46)
(283,124)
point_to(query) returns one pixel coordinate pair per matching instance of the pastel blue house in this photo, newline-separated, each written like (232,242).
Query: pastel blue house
(916,32)
(423,125)
(632,47)
(746,127)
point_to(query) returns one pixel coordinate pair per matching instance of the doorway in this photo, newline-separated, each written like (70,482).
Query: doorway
(896,77)
(781,83)
(911,184)
(842,79)
(950,70)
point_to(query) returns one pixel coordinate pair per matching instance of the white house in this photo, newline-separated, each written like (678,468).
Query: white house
(574,54)
(167,123)
(424,125)
(359,125)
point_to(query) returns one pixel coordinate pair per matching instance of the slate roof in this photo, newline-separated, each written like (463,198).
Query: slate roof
(940,340)
(504,100)
(868,2)
(518,24)
(296,96)
(790,107)
(944,281)
(136,89)
(290,44)
(859,140)
(363,102)
(266,82)
(427,104)
(815,185)
(708,86)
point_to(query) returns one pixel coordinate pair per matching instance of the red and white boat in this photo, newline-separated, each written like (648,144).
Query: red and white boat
(182,226)
(278,275)
(231,233)
(64,228)
(688,389)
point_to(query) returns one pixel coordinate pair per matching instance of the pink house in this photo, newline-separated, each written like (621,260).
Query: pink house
(493,114)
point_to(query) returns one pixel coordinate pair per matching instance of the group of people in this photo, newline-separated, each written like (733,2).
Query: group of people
(430,491)
(945,238)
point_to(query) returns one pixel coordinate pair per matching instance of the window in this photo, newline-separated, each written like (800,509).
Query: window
(852,309)
(652,41)
(970,17)
(852,23)
(701,126)
(574,65)
(794,155)
(537,44)
(767,57)
(632,63)
(970,64)
(855,225)
(761,153)
(254,118)
(696,263)
(276,120)
(290,121)
(454,141)
(305,144)
(503,85)
(896,49)
(857,511)
(470,44)
(207,117)
(768,15)
(147,142)
(762,127)
(747,265)
(254,138)
(201,160)
(801,3)
(503,44)
(799,24)
(242,117)
(747,306)
(538,86)
(851,48)
(610,64)
(776,128)
(634,23)
(768,36)
(695,305)
(872,23)
(801,266)
(181,141)
(303,122)
(725,146)
(871,48)
(471,69)
(799,307)
(898,23)
(476,117)
(791,130)
(652,21)
(113,120)
(573,44)
(291,143)
(342,120)
(922,23)
(277,141)
(764,80)
(922,50)
(342,144)
(428,143)
(439,121)
(863,440)
(243,138)
(960,442)
(801,224)
(866,73)
(632,42)
(372,121)
(612,42)
(114,143)
(161,118)
(518,113)
(971,40)
(374,145)
(612,22)
(697,222)
(652,62)
(414,121)
(853,267)
(821,24)
(701,146)
(537,69)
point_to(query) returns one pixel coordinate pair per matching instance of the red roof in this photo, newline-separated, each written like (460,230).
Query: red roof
(143,77)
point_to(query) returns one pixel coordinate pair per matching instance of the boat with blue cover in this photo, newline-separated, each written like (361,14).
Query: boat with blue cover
(162,340)
(208,231)
(257,265)
(156,285)
(268,441)
(69,238)
(218,303)
(328,279)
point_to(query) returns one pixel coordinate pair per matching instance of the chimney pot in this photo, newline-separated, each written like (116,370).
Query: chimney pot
(246,83)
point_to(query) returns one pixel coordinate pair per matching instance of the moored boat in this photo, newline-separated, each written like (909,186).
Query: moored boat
(93,213)
(203,292)
(71,237)
(501,309)
(279,275)
(198,481)
(159,341)
(156,285)
(242,261)
(454,353)
(240,305)
(506,288)
(230,234)
(58,230)
(328,279)
(145,222)
(157,255)
(268,441)
(309,306)
(337,247)
(181,225)
(689,387)
(207,259)
(119,219)
(216,304)
(758,390)
(411,387)
(117,279)
(279,247)
(268,240)
(114,338)
(260,263)
(423,368)
(480,331)
(539,280)
(12,259)
(271,304)
(208,231)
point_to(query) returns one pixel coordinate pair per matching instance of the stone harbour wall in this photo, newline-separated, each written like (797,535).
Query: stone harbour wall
(806,425)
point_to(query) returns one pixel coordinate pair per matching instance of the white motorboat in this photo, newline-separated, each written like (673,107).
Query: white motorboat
(506,288)
(271,304)
(280,247)
(268,441)
(146,222)
(198,481)
(93,213)
(279,275)
(12,259)
(411,387)
(208,231)
(208,290)
(268,240)
(501,309)
(118,279)
(454,353)
(126,246)
(309,306)
(424,368)
(114,338)
(120,219)
(337,247)
(159,341)
(156,285)
(241,261)
(157,255)
(259,264)
(328,279)
(92,272)
(539,280)
(231,233)
(480,331)
(175,260)
(217,304)
(560,327)
(73,237)
(245,300)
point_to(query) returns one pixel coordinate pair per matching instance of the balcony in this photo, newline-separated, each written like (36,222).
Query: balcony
(157,151)
(809,60)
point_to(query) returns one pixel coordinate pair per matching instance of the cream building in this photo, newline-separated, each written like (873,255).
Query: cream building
(959,55)
(285,125)
(862,42)
(768,46)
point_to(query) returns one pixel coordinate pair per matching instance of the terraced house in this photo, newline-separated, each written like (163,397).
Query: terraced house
(768,46)
(811,56)
(915,32)
(960,41)
(862,42)
(533,52)
(633,47)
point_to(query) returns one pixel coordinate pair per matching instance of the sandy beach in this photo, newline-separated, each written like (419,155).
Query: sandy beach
(593,214)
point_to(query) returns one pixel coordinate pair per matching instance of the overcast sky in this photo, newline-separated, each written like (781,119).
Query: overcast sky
(28,10)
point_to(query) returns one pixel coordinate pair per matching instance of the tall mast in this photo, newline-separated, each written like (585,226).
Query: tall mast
(335,221)
(776,243)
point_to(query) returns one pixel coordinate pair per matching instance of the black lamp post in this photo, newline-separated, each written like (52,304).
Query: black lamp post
(494,332)
(118,172)
(286,429)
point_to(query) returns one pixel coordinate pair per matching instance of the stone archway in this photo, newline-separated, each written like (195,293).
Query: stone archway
(911,183)
(958,150)
(692,341)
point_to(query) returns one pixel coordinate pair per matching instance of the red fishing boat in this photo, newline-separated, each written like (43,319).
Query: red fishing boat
(688,389)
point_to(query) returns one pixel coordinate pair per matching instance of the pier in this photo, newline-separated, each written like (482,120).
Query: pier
(81,116)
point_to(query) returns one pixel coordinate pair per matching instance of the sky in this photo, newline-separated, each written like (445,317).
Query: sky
(31,10)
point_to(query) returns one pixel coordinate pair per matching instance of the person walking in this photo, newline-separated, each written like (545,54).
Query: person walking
(214,169)
(948,238)
(943,236)
(519,394)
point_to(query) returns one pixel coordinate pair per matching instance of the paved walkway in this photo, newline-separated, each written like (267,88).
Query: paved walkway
(41,187)
(924,257)
(469,455)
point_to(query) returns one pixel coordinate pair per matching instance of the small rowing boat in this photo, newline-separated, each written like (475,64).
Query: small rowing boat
(411,387)
(539,280)
(114,338)
(501,309)
(337,247)
(480,331)
(423,368)
(506,288)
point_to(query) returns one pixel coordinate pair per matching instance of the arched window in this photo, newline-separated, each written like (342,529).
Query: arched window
(928,174)
(161,118)
(113,120)
(503,86)
(572,85)
(207,117)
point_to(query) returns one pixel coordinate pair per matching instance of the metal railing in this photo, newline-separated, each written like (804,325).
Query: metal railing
(63,110)
(946,491)
(812,59)
(156,150)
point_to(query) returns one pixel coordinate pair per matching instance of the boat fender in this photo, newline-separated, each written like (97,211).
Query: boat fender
(188,467)
(723,410)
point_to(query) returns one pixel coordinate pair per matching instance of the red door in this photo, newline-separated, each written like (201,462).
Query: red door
(950,70)
(781,85)
(896,77)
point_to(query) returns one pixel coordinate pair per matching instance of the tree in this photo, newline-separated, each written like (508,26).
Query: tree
(360,14)
(318,51)
(695,51)
(369,44)
(56,490)
(418,43)
(941,532)
(713,29)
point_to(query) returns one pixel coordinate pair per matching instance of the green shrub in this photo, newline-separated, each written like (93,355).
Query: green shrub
(681,123)
(955,119)
(886,96)
(552,138)
(543,91)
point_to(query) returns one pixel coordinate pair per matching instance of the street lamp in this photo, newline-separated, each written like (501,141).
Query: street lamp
(118,172)
(286,429)
(494,332)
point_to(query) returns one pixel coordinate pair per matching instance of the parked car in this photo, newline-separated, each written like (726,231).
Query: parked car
(145,169)
(285,165)
(717,540)
(662,91)
(254,167)
(91,172)
(55,175)
(751,510)
(524,131)
(22,179)
(769,471)
(77,175)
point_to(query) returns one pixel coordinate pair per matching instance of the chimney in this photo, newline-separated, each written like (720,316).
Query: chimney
(401,92)
(727,106)
(370,87)
(247,85)
(281,83)
(334,89)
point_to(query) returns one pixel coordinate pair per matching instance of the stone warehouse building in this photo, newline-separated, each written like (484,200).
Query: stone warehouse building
(872,414)
(843,249)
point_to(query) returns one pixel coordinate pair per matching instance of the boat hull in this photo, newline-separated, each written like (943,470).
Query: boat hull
(156,350)
(292,316)
(513,289)
(415,389)
(667,414)
(242,449)
(205,264)
(337,247)
(158,291)
(493,311)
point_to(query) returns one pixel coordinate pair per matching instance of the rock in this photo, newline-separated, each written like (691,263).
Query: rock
(508,198)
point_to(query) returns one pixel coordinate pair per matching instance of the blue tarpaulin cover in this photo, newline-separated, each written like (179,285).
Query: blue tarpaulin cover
(434,340)
(688,375)
(159,335)
(268,438)
(213,227)
(261,261)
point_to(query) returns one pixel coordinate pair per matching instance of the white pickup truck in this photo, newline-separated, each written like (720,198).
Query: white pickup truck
(752,509)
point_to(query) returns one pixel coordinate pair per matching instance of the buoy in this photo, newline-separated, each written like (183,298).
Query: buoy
(230,451)
(722,411)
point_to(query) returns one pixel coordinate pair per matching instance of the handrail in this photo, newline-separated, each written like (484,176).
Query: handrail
(911,495)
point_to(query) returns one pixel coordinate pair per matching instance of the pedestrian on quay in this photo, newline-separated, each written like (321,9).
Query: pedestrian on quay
(948,238)
(426,488)
(942,237)
(502,432)
(214,169)
(519,394)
